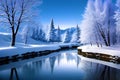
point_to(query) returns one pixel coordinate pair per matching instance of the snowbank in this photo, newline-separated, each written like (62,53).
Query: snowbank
(113,50)
(9,51)
(21,48)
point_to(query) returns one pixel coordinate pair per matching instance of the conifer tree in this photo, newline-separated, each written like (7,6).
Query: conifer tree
(67,37)
(52,35)
(78,33)
(58,36)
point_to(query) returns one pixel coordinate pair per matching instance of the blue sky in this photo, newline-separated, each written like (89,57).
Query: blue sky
(66,13)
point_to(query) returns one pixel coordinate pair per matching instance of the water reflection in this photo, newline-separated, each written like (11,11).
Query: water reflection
(52,63)
(96,71)
(13,70)
(64,66)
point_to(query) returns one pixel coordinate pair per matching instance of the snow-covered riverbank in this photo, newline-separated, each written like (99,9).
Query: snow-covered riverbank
(104,55)
(31,46)
(113,50)
(20,49)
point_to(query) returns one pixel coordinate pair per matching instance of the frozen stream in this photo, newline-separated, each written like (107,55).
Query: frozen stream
(64,65)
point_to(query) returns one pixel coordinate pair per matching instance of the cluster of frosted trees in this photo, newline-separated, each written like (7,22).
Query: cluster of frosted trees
(53,34)
(101,23)
(38,34)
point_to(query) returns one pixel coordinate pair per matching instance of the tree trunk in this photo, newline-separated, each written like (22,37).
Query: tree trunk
(13,39)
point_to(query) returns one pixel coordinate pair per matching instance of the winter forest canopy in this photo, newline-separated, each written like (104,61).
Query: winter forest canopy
(101,23)
(56,34)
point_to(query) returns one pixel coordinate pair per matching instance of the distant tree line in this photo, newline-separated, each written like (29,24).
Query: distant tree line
(55,35)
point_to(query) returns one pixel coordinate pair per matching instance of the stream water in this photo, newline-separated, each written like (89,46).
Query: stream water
(64,65)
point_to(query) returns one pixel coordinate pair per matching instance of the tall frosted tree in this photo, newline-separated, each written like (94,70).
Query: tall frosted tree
(109,25)
(76,35)
(14,13)
(25,34)
(98,23)
(42,35)
(52,34)
(38,34)
(117,18)
(88,24)
(58,35)
(67,37)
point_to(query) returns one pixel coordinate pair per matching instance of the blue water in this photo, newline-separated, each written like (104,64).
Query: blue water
(65,65)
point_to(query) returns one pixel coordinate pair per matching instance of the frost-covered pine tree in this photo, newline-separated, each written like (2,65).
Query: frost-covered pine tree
(58,35)
(35,33)
(117,18)
(88,24)
(76,35)
(38,34)
(67,37)
(51,34)
(25,33)
(41,35)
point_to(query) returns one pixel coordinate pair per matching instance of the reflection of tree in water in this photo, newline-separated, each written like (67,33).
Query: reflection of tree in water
(52,63)
(95,71)
(28,71)
(70,57)
(109,74)
(59,58)
(78,60)
(14,74)
(38,65)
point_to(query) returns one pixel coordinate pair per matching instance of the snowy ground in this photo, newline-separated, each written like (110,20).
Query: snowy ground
(113,50)
(20,47)
(9,51)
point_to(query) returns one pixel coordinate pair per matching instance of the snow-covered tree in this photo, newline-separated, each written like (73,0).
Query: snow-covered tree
(109,22)
(14,13)
(38,34)
(67,37)
(25,33)
(41,36)
(58,35)
(98,23)
(88,24)
(35,33)
(51,34)
(76,35)
(117,18)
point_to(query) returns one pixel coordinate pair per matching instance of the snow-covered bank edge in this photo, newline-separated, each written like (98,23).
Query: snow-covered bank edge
(22,62)
(9,51)
(117,66)
(109,54)
(8,54)
(113,50)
